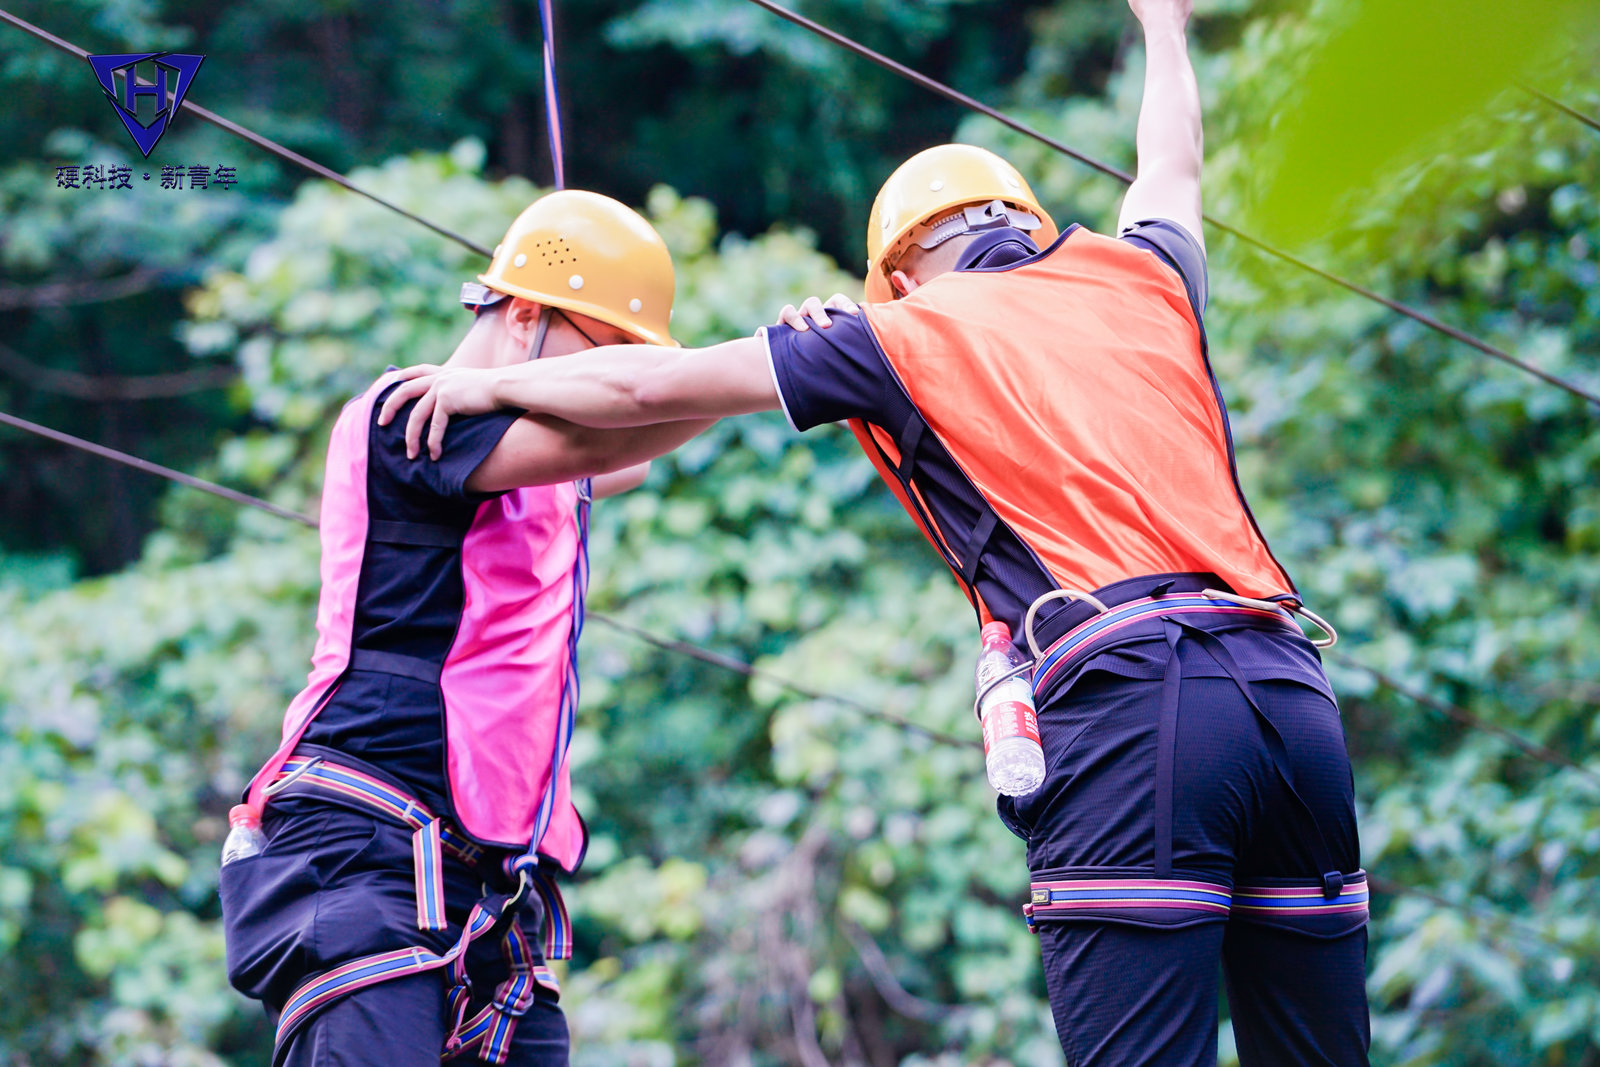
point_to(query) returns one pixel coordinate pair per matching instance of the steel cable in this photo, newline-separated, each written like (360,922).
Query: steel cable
(958,97)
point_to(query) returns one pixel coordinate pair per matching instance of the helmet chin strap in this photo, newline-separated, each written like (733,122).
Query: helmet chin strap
(536,349)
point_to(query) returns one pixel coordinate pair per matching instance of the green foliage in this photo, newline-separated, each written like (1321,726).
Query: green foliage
(775,878)
(1387,79)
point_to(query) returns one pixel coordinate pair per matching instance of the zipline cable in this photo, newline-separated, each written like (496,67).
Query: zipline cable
(1477,909)
(286,154)
(1561,105)
(738,666)
(930,84)
(958,97)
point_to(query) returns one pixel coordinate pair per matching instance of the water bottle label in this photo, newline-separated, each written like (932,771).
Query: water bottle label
(1010,718)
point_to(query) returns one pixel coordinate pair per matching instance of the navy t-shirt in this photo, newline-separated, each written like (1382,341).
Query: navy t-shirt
(827,375)
(409,602)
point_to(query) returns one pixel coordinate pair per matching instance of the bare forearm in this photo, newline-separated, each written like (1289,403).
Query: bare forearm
(1170,140)
(643,385)
(620,481)
(1170,132)
(599,388)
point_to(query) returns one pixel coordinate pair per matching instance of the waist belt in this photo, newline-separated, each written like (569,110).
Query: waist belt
(489,1030)
(1131,618)
(1287,903)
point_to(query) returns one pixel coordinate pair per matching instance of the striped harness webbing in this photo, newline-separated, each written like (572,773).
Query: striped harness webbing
(1184,901)
(1082,639)
(1302,900)
(490,1029)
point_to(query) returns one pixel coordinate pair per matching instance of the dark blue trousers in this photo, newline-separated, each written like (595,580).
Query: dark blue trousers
(335,884)
(1126,992)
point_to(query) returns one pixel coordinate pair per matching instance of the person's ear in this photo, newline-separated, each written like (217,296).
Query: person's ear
(903,283)
(522,319)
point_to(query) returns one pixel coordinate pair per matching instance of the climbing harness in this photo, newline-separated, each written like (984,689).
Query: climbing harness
(490,1029)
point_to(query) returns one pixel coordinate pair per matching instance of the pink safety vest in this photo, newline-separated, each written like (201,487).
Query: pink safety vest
(502,681)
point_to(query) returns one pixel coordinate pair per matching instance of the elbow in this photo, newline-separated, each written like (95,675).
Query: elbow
(655,394)
(650,397)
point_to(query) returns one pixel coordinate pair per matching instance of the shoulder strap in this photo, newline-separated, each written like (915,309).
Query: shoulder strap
(997,569)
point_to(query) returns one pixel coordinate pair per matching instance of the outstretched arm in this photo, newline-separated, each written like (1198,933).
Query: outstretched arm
(610,388)
(1170,141)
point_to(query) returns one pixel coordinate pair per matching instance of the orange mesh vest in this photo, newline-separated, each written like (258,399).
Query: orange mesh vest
(1074,393)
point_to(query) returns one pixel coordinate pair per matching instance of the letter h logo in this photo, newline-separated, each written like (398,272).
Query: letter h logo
(109,68)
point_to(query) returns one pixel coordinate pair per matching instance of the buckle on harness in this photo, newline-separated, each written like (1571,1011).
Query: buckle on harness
(1332,884)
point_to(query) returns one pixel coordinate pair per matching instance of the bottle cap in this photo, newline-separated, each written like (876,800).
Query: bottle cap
(995,631)
(243,815)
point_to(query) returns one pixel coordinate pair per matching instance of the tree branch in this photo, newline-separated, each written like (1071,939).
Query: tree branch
(104,388)
(91,291)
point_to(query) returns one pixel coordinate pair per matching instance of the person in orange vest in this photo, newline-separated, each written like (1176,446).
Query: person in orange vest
(390,896)
(1042,404)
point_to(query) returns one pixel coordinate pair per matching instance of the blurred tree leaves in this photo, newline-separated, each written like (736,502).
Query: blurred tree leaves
(1387,84)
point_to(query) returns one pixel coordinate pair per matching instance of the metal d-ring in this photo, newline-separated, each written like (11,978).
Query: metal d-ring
(1056,594)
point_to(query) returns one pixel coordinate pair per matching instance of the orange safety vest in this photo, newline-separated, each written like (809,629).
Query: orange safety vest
(1074,393)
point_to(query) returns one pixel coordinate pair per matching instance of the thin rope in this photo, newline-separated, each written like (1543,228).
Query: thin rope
(1480,910)
(286,154)
(729,663)
(941,89)
(1560,105)
(1466,718)
(1396,306)
(667,644)
(155,468)
(552,99)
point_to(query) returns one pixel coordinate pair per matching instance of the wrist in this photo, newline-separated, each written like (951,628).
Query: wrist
(503,387)
(1167,27)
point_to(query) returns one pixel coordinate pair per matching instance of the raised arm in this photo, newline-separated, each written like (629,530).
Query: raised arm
(613,387)
(1171,144)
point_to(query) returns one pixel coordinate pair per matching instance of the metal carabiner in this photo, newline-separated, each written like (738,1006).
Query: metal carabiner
(1281,605)
(283,783)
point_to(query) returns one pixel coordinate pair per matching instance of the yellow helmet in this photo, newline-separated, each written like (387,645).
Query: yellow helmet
(591,255)
(937,180)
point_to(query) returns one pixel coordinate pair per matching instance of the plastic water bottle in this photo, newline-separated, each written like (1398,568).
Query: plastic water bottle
(1011,749)
(244,834)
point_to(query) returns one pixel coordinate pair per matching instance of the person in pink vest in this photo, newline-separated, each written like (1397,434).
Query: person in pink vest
(402,907)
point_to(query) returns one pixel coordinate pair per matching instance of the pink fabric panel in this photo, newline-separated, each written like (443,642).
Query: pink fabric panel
(342,523)
(502,680)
